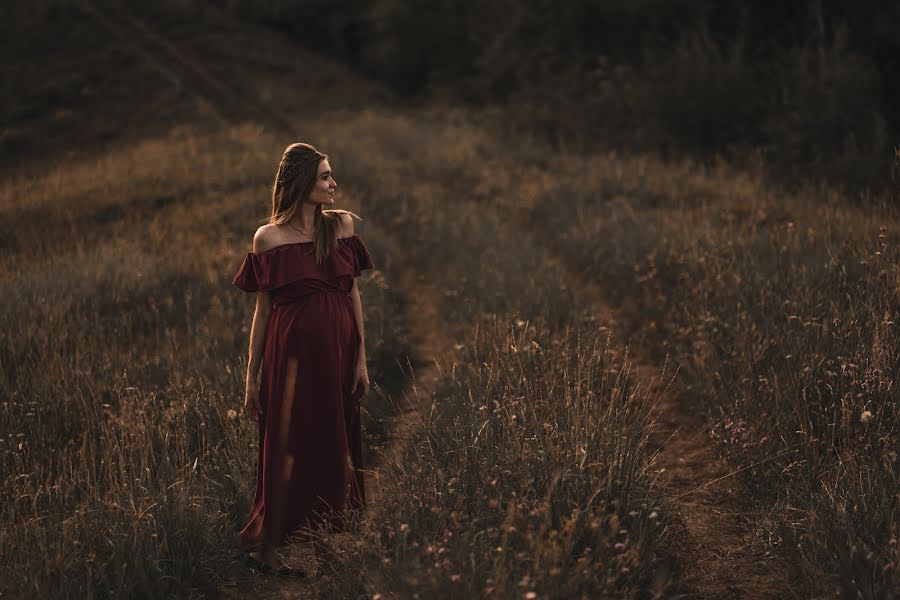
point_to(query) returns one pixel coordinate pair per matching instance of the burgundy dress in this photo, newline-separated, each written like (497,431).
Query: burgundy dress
(310,444)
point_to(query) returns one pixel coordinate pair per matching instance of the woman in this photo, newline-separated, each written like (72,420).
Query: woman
(307,369)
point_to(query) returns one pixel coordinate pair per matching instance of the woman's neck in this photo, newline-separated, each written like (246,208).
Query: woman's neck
(306,218)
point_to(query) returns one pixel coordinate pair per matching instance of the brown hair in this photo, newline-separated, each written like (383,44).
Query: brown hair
(294,180)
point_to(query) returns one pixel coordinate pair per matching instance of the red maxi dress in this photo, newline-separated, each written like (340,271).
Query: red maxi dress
(310,443)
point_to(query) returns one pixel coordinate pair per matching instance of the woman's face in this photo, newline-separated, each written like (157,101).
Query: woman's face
(324,189)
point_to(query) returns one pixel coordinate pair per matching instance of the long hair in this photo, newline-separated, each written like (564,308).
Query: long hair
(294,180)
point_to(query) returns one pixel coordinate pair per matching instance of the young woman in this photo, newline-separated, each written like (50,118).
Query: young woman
(307,368)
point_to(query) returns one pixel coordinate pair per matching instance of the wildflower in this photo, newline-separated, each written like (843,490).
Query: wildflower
(231,414)
(455,577)
(531,595)
(404,527)
(865,417)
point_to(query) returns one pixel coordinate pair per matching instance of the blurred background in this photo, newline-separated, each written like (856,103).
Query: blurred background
(808,88)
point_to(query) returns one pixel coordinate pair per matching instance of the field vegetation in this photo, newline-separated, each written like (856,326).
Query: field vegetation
(533,466)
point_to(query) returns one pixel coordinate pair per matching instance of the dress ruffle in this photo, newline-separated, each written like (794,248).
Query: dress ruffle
(287,263)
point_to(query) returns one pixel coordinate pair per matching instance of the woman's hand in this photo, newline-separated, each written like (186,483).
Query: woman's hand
(251,399)
(361,381)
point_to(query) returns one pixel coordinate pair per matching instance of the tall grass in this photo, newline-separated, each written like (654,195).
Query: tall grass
(126,471)
(124,353)
(124,467)
(425,181)
(783,310)
(527,477)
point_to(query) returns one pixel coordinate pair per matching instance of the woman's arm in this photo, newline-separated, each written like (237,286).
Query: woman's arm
(258,335)
(348,230)
(361,372)
(362,375)
(358,315)
(258,329)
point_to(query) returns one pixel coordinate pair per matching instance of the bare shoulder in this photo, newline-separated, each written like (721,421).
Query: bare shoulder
(345,219)
(265,238)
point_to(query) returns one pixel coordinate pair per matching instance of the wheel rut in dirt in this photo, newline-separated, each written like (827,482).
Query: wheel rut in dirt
(712,538)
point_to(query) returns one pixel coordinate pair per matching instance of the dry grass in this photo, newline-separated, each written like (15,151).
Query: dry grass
(125,343)
(528,474)
(782,310)
(123,470)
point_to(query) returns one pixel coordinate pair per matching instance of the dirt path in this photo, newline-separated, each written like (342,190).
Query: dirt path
(433,349)
(711,534)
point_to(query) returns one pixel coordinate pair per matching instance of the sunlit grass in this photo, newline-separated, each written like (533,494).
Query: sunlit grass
(528,474)
(124,469)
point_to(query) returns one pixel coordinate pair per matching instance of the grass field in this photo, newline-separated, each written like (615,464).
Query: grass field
(534,468)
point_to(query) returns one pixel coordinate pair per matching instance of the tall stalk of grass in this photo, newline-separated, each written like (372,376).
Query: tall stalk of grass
(527,477)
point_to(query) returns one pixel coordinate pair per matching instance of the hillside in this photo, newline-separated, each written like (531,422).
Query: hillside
(85,78)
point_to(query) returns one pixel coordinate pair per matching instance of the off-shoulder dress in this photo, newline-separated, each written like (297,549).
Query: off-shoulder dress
(310,437)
